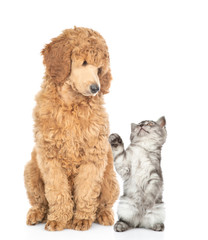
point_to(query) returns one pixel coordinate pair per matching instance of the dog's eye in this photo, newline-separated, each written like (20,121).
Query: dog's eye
(84,63)
(99,70)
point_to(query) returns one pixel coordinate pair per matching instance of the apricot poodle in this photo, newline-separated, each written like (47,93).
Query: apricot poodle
(70,179)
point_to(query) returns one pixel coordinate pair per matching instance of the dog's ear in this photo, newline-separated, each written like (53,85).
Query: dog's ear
(56,58)
(105,82)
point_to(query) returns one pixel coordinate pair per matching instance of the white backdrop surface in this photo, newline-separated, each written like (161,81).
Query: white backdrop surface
(159,59)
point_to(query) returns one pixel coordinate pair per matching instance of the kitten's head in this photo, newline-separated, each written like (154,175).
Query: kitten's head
(149,134)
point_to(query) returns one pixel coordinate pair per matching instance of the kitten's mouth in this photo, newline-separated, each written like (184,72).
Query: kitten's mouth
(143,129)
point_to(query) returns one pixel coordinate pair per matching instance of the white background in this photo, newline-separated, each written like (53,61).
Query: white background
(159,59)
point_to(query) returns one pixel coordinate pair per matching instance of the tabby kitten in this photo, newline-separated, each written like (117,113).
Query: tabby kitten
(139,166)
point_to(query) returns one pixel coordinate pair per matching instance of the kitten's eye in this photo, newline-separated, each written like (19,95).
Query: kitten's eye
(84,63)
(99,70)
(151,124)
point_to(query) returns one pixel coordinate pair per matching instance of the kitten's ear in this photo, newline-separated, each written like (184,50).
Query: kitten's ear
(133,126)
(161,121)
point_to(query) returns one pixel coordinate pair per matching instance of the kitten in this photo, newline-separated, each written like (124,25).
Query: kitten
(139,166)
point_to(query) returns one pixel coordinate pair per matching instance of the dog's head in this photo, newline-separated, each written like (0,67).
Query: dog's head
(79,57)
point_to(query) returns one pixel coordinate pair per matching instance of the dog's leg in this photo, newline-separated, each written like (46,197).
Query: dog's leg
(87,187)
(57,192)
(35,191)
(109,194)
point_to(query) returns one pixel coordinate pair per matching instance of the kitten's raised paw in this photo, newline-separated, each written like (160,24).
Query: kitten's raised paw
(115,140)
(159,227)
(121,226)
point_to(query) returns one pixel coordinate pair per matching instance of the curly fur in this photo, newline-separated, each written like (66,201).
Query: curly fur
(70,179)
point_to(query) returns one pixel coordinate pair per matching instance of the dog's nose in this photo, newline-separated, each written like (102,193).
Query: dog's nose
(94,88)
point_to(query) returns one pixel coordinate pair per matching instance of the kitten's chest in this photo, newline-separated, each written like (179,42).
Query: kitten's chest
(141,167)
(142,174)
(140,163)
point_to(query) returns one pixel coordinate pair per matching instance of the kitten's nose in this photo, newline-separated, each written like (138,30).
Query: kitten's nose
(94,88)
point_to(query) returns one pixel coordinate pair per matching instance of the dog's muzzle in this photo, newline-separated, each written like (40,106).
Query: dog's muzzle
(94,88)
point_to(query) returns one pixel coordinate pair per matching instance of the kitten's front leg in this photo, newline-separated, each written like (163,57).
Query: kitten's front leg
(120,162)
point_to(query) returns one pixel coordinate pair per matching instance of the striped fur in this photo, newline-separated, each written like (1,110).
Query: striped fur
(139,166)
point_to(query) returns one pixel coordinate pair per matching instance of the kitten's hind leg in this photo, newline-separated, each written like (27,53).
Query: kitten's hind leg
(121,226)
(154,218)
(128,214)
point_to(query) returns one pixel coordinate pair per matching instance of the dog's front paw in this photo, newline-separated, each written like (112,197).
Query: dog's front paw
(105,217)
(36,215)
(81,224)
(54,226)
(115,140)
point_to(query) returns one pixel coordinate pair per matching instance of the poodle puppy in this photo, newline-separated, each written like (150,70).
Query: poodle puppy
(70,179)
